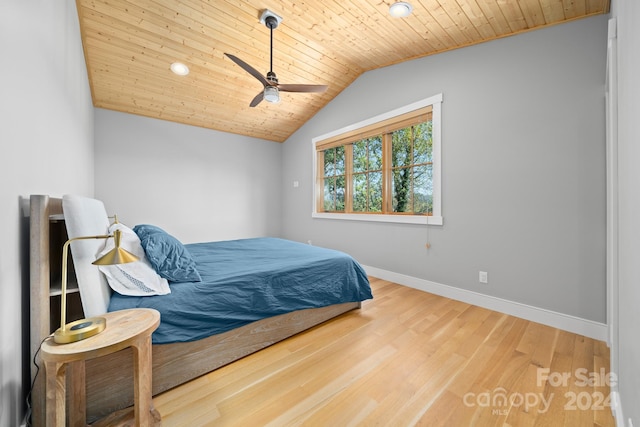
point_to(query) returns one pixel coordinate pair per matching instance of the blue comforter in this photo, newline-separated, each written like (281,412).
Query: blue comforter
(247,280)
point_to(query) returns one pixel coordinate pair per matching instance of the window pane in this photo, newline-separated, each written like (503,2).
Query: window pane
(401,147)
(339,160)
(423,143)
(413,190)
(375,153)
(367,192)
(334,194)
(340,193)
(367,154)
(375,192)
(329,161)
(329,195)
(423,189)
(360,156)
(360,192)
(401,188)
(334,161)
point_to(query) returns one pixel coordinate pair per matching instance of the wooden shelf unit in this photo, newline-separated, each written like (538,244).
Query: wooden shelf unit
(47,235)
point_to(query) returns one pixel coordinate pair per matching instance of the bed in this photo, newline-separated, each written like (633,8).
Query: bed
(296,287)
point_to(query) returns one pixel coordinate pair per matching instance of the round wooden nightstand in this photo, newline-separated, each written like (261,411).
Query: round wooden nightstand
(125,328)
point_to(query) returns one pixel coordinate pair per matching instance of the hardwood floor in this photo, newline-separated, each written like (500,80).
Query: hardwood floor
(407,358)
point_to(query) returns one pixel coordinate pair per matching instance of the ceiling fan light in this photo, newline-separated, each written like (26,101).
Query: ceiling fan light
(400,9)
(271,94)
(179,68)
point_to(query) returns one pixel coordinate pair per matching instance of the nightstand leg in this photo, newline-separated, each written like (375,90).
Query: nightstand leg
(56,393)
(77,396)
(142,380)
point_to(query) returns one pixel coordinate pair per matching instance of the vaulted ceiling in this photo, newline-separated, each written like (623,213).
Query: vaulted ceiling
(130,45)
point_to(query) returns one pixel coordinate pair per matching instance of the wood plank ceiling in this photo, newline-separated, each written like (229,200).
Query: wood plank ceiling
(129,46)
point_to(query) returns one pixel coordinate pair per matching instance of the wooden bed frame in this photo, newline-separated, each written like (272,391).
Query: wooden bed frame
(109,379)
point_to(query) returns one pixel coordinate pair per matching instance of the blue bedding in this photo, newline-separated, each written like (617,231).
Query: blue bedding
(247,280)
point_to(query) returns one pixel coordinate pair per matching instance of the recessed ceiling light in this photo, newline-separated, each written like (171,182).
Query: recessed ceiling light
(400,9)
(179,68)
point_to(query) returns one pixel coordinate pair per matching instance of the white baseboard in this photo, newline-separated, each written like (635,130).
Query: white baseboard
(562,321)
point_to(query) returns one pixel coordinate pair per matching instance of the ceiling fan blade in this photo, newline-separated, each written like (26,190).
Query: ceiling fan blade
(249,69)
(302,88)
(259,97)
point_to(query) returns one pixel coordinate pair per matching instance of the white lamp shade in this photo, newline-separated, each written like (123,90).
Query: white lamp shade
(271,94)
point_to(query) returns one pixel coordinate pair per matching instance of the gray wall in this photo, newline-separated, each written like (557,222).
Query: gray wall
(628,351)
(46,136)
(523,173)
(197,184)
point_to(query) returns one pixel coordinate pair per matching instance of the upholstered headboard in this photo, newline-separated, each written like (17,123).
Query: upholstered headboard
(88,217)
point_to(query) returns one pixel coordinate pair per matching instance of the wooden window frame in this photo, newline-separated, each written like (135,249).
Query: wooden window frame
(382,124)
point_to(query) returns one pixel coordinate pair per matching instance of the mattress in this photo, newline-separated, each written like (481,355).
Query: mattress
(248,280)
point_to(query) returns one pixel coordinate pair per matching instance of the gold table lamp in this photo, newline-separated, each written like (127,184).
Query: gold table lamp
(85,328)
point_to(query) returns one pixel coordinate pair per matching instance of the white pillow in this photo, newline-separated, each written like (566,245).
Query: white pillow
(135,278)
(87,217)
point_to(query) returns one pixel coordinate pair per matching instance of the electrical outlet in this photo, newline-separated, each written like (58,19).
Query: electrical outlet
(483,277)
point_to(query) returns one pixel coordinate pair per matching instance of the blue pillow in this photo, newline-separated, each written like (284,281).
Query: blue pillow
(167,255)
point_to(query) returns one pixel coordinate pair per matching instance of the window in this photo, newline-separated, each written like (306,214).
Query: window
(383,169)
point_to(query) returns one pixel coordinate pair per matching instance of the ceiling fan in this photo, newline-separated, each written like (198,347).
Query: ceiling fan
(270,82)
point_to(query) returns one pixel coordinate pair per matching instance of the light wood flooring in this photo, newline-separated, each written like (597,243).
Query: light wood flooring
(406,358)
